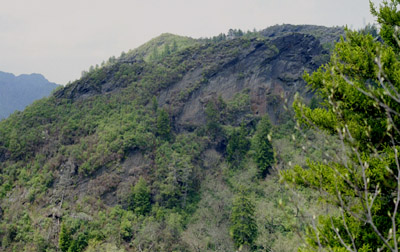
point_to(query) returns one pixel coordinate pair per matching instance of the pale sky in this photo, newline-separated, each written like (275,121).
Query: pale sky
(60,38)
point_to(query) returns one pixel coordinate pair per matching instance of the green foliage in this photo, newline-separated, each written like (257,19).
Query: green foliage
(163,125)
(64,240)
(243,228)
(388,18)
(238,146)
(79,244)
(361,109)
(176,171)
(370,29)
(126,227)
(155,55)
(314,103)
(213,125)
(161,46)
(167,50)
(236,107)
(263,151)
(72,238)
(233,33)
(141,204)
(154,104)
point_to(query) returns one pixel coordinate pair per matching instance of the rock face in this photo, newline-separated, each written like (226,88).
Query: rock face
(270,72)
(326,35)
(97,84)
(16,92)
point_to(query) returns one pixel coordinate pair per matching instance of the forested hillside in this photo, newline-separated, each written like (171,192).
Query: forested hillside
(17,92)
(173,146)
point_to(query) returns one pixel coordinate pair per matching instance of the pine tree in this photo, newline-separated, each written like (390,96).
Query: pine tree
(79,244)
(65,239)
(154,104)
(163,125)
(213,117)
(237,147)
(141,204)
(74,247)
(243,224)
(263,151)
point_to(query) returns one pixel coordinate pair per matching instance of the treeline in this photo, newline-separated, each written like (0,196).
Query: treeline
(232,34)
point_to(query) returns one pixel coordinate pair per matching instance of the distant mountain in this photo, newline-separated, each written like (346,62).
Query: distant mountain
(17,92)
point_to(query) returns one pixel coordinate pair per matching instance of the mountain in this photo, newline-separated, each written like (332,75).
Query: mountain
(156,153)
(17,92)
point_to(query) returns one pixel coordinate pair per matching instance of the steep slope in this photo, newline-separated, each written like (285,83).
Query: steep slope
(273,68)
(16,92)
(74,157)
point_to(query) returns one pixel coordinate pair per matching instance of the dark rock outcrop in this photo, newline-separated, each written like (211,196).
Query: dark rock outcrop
(324,34)
(271,72)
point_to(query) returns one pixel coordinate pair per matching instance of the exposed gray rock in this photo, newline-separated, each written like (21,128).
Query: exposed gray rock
(324,34)
(270,71)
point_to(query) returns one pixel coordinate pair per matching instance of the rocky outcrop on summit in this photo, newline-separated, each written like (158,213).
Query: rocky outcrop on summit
(269,72)
(326,35)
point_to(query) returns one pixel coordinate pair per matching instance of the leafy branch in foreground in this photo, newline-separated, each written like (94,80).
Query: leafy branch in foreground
(360,89)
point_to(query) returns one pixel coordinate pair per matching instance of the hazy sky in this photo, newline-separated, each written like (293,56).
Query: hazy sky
(60,38)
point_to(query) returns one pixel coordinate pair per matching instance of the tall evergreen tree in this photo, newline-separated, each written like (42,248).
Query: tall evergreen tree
(237,147)
(263,151)
(79,244)
(243,224)
(163,125)
(213,125)
(154,104)
(141,203)
(64,240)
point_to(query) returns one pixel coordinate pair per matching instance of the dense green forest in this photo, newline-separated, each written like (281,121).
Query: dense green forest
(193,145)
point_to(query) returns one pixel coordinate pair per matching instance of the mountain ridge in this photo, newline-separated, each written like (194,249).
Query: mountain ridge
(70,163)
